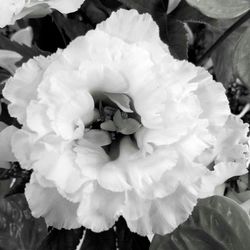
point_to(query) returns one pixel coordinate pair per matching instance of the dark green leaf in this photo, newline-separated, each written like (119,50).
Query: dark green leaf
(18,229)
(3,76)
(221,8)
(154,7)
(223,57)
(128,240)
(15,171)
(216,223)
(177,39)
(18,187)
(187,13)
(112,4)
(96,11)
(71,27)
(23,50)
(99,241)
(4,187)
(61,239)
(120,236)
(241,60)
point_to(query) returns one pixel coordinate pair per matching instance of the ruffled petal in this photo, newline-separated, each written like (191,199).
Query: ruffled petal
(48,203)
(22,143)
(131,27)
(90,158)
(221,173)
(22,87)
(212,99)
(56,162)
(66,107)
(232,141)
(37,118)
(135,207)
(167,213)
(6,153)
(93,213)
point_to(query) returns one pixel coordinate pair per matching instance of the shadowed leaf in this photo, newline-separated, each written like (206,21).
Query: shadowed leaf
(177,39)
(99,241)
(221,8)
(18,229)
(216,223)
(241,60)
(61,239)
(25,51)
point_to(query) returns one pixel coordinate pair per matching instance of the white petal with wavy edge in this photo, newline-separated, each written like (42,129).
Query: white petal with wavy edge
(222,172)
(131,27)
(93,212)
(6,153)
(41,200)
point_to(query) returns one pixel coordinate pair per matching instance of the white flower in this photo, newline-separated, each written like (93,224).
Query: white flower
(115,126)
(12,10)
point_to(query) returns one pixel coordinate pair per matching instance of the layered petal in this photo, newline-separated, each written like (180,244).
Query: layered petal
(91,212)
(6,153)
(48,203)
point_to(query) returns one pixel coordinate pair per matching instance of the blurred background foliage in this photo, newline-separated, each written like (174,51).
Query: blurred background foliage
(214,34)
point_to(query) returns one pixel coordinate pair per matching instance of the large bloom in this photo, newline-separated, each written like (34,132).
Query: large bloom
(12,10)
(115,126)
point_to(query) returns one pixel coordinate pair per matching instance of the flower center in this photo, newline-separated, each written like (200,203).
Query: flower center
(116,115)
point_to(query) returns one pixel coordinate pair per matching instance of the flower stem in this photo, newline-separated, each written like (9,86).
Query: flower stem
(220,40)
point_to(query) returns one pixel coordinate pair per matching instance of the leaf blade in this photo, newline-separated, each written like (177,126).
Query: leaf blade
(221,8)
(216,223)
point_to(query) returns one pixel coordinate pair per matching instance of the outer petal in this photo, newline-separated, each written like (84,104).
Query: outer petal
(48,203)
(212,98)
(100,209)
(55,161)
(221,173)
(50,157)
(232,141)
(6,153)
(167,213)
(67,107)
(132,27)
(22,143)
(22,87)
